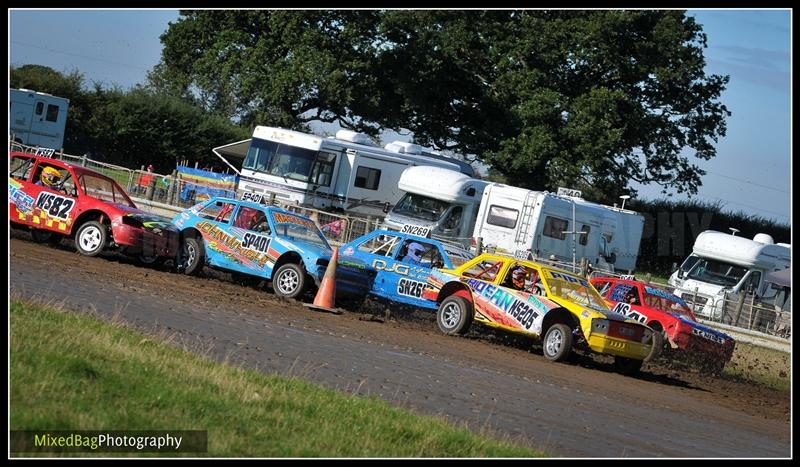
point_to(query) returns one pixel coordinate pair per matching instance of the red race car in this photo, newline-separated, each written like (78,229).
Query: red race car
(57,200)
(665,312)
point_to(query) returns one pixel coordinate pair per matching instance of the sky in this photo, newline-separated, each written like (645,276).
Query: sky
(752,169)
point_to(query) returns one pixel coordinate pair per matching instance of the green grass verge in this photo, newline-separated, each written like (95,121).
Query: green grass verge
(771,368)
(72,371)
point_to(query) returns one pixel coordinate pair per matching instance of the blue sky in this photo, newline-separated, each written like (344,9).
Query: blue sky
(751,172)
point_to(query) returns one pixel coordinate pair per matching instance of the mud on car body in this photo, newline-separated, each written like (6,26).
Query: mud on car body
(85,205)
(400,264)
(529,298)
(670,317)
(253,241)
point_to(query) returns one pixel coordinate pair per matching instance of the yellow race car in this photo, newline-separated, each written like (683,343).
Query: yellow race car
(526,297)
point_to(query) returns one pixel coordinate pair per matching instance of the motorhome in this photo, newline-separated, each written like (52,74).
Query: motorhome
(38,118)
(342,173)
(723,265)
(517,221)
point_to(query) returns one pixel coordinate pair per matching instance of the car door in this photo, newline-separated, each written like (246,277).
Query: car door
(378,252)
(214,222)
(253,235)
(407,275)
(55,208)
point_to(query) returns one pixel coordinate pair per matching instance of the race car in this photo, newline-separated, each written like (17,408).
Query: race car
(252,240)
(529,298)
(56,200)
(401,263)
(672,319)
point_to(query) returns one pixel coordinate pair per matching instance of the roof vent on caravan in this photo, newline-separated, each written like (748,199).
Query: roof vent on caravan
(766,239)
(403,147)
(354,137)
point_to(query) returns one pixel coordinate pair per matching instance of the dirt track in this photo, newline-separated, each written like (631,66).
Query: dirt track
(577,409)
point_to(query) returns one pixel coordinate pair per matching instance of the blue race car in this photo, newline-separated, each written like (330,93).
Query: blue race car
(401,263)
(252,240)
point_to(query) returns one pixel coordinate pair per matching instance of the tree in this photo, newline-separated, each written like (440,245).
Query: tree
(588,99)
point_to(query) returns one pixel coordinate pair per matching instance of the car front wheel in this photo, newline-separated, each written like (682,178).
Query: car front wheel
(192,256)
(289,281)
(90,239)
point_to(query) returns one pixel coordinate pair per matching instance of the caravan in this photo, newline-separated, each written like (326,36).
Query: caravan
(517,221)
(38,118)
(722,264)
(346,172)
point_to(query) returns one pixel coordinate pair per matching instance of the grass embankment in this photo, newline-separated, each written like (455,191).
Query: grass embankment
(769,367)
(71,371)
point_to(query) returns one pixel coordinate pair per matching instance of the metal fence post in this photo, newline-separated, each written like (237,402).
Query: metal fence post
(739,306)
(584,267)
(130,181)
(171,187)
(479,246)
(753,312)
(83,160)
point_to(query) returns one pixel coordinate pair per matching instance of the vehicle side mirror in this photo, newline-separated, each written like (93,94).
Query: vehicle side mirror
(612,258)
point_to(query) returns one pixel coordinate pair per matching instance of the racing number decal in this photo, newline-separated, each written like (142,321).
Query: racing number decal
(410,288)
(626,310)
(55,205)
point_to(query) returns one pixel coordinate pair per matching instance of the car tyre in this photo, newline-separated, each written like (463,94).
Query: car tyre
(289,281)
(557,343)
(454,315)
(192,256)
(658,345)
(91,238)
(627,366)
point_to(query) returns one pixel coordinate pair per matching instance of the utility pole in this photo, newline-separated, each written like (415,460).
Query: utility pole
(573,232)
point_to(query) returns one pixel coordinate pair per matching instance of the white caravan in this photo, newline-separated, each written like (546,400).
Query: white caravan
(722,263)
(38,118)
(346,172)
(517,221)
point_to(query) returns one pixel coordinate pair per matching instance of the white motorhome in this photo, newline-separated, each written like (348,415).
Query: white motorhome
(38,118)
(517,221)
(345,172)
(723,264)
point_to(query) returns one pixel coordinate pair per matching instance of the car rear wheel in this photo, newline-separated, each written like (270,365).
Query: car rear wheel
(90,239)
(192,256)
(454,315)
(289,281)
(557,343)
(627,366)
(658,345)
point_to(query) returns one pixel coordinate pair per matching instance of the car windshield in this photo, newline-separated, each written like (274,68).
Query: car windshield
(662,300)
(420,207)
(104,189)
(717,272)
(574,289)
(298,228)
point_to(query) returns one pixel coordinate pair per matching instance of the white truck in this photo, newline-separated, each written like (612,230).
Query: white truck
(345,172)
(516,221)
(723,264)
(38,118)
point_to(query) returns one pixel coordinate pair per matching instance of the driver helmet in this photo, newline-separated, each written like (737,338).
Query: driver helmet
(50,176)
(415,251)
(518,276)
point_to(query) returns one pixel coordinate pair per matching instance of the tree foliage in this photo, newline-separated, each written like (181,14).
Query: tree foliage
(130,128)
(589,99)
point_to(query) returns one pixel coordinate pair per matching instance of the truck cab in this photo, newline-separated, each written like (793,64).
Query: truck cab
(721,264)
(444,201)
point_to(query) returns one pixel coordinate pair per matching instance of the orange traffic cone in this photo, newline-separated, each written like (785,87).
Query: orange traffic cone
(325,300)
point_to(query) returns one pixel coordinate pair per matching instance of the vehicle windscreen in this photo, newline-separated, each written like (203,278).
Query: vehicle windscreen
(421,207)
(664,301)
(104,189)
(716,272)
(298,228)
(574,289)
(281,160)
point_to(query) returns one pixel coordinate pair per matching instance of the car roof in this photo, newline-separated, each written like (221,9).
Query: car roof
(62,164)
(541,265)
(637,283)
(252,204)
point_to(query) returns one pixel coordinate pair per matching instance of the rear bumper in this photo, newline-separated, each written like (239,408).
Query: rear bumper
(604,344)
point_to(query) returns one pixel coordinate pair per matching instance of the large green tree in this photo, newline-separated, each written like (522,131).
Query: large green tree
(588,99)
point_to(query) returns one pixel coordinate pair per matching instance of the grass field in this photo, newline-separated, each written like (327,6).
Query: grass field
(71,371)
(765,366)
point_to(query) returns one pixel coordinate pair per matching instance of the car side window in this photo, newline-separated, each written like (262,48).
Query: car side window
(626,293)
(381,245)
(602,287)
(251,219)
(486,270)
(419,253)
(219,211)
(21,167)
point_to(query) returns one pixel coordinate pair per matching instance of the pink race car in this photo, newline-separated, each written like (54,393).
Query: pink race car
(668,313)
(57,200)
